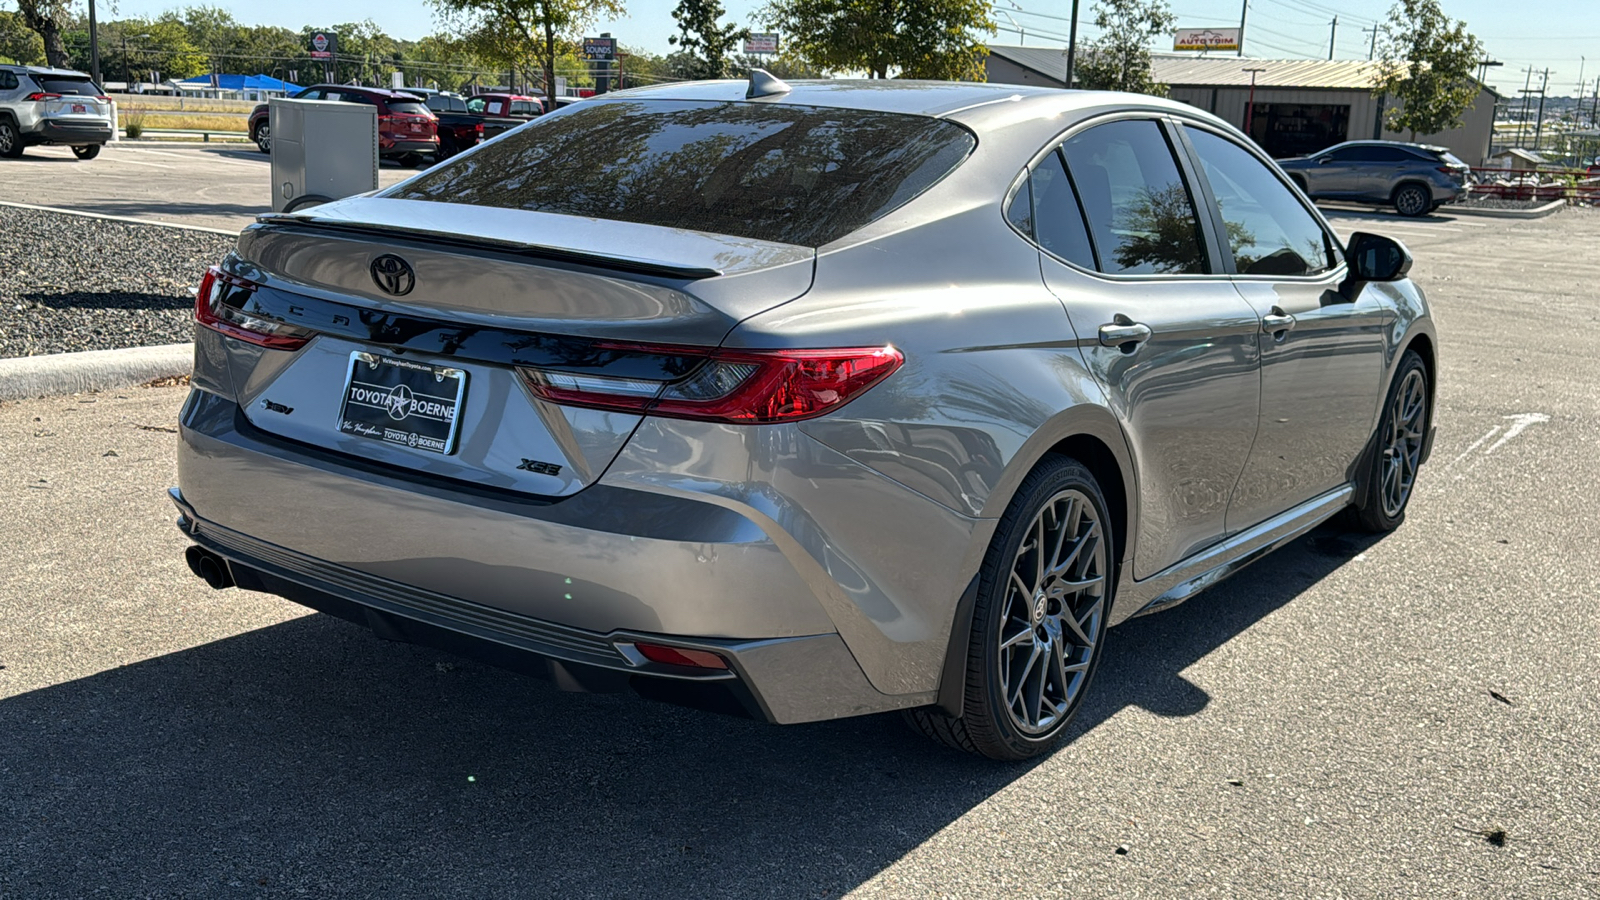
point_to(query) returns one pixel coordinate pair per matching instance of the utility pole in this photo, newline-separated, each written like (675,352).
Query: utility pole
(1372,54)
(1538,125)
(94,46)
(1244,12)
(1072,44)
(1333,36)
(1522,118)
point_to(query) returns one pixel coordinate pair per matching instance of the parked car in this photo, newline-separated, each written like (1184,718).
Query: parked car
(516,106)
(52,106)
(1416,178)
(459,129)
(850,397)
(407,130)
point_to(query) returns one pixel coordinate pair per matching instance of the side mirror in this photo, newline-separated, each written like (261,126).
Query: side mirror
(1373,257)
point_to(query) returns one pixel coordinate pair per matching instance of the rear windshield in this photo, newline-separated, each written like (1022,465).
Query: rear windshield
(791,174)
(441,103)
(56,84)
(409,108)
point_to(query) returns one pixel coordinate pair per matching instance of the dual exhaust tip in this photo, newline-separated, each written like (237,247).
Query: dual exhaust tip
(211,568)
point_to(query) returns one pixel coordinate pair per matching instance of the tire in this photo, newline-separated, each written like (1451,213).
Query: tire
(1412,200)
(1027,670)
(10,139)
(263,138)
(447,149)
(1397,449)
(87,151)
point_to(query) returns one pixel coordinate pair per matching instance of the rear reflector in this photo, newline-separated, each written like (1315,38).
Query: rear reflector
(749,387)
(223,304)
(681,656)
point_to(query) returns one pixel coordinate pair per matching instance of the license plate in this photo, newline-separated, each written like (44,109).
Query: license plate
(79,108)
(398,401)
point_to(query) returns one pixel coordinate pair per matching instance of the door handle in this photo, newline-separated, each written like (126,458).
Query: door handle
(1123,332)
(1277,322)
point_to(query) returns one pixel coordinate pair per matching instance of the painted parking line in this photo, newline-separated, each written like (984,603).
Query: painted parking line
(189,157)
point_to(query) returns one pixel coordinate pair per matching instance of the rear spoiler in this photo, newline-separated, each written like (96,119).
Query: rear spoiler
(673,252)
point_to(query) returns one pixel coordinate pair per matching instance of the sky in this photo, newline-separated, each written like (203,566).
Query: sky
(1558,34)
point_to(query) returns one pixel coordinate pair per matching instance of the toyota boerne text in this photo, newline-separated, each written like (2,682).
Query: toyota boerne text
(803,401)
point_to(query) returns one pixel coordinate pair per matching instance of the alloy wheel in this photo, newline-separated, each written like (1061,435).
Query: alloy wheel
(264,138)
(1052,611)
(1412,201)
(1402,452)
(8,136)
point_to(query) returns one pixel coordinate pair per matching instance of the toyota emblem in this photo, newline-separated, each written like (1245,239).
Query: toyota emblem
(393,275)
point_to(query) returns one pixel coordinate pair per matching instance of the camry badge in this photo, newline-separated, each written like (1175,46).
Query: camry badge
(393,275)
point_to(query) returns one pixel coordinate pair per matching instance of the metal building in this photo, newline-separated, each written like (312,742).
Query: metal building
(1300,106)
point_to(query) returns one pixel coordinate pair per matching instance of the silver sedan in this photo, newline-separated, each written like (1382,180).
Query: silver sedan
(805,401)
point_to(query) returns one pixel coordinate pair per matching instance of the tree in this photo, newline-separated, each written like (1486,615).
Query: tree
(515,32)
(46,17)
(1119,60)
(1427,64)
(19,43)
(783,65)
(707,43)
(914,38)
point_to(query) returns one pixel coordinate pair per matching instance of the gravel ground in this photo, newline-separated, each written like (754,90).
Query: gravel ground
(74,283)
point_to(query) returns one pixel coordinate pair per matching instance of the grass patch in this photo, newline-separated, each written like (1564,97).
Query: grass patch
(190,121)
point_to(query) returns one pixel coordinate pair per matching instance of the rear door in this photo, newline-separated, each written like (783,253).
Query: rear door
(1322,356)
(1162,328)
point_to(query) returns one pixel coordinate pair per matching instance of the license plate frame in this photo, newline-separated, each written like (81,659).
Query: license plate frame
(429,421)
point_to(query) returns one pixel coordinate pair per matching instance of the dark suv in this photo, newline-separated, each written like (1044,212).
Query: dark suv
(407,130)
(1416,178)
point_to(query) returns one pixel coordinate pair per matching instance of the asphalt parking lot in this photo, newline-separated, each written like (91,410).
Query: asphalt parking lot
(1408,717)
(210,185)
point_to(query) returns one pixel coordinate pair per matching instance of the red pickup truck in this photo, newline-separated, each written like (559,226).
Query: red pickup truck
(407,130)
(516,106)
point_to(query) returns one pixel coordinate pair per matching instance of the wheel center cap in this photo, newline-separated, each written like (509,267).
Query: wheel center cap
(1039,604)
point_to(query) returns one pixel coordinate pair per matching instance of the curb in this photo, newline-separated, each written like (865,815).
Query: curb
(25,377)
(1538,212)
(129,219)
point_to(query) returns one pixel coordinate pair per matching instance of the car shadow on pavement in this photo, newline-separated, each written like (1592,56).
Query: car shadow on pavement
(310,757)
(178,210)
(107,300)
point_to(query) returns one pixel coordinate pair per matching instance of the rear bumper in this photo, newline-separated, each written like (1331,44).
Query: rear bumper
(571,581)
(56,131)
(390,149)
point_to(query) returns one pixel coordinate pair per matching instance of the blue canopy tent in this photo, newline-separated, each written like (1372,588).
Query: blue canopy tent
(241,83)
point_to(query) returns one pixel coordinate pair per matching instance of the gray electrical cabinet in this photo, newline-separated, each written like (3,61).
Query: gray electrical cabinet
(321,150)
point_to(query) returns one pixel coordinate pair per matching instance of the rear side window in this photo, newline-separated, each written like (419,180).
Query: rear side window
(408,108)
(1057,218)
(1391,154)
(1269,231)
(1139,210)
(56,84)
(8,81)
(792,174)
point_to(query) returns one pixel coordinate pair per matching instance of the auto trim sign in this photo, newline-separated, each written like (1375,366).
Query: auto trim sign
(1206,39)
(761,43)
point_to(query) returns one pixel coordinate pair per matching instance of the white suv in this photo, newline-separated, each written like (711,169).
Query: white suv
(52,106)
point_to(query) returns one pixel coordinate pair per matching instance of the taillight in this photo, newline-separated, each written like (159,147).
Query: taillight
(222,305)
(478,127)
(41,95)
(748,387)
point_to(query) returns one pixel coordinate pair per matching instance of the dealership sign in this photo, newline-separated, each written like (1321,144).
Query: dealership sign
(1206,39)
(324,44)
(761,43)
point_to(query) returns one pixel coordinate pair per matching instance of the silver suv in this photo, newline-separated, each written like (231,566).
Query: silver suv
(1416,178)
(52,106)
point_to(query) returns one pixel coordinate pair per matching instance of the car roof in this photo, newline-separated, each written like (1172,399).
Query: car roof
(1036,112)
(381,92)
(44,70)
(1375,143)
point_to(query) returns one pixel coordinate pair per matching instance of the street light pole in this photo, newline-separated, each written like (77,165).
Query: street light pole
(1244,12)
(1250,106)
(1072,44)
(94,46)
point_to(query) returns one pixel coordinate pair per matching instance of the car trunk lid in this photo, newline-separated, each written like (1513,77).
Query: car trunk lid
(450,300)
